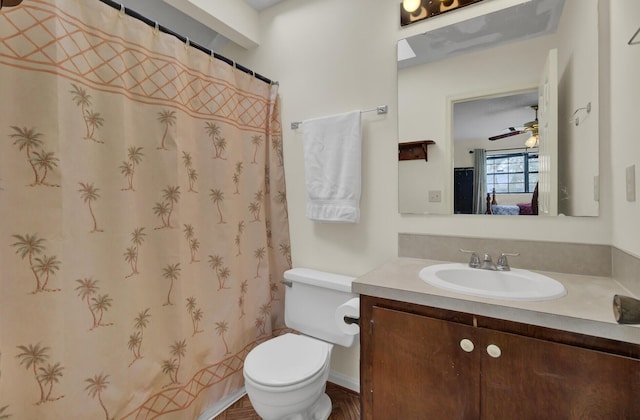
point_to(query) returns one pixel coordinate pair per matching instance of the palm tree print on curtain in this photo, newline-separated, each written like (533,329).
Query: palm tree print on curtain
(97,304)
(96,387)
(256,205)
(41,161)
(128,167)
(171,366)
(28,246)
(219,143)
(216,263)
(32,357)
(192,174)
(164,209)
(192,242)
(236,177)
(89,194)
(132,252)
(143,329)
(257,142)
(135,340)
(217,196)
(167,118)
(92,119)
(195,313)
(238,238)
(172,273)
(221,328)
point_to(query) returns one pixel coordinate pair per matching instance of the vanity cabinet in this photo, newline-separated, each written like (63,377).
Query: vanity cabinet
(420,362)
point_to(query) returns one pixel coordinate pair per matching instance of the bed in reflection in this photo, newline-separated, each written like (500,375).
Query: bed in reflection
(520,209)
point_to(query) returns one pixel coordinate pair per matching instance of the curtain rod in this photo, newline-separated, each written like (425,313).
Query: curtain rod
(525,148)
(184,39)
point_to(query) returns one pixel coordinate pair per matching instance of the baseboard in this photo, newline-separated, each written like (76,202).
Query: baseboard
(345,381)
(216,409)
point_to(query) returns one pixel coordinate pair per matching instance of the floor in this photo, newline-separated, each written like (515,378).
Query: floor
(346,406)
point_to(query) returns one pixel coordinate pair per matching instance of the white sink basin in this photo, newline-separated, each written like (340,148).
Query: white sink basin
(516,284)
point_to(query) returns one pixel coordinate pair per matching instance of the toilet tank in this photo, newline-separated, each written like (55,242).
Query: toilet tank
(311,303)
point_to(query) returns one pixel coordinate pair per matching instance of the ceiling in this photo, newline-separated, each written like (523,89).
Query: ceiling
(484,118)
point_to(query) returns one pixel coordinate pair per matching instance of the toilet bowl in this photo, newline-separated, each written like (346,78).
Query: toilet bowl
(285,377)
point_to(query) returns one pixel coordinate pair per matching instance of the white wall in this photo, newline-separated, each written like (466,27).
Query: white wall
(577,74)
(332,56)
(625,137)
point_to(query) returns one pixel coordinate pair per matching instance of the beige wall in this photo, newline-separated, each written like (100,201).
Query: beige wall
(332,56)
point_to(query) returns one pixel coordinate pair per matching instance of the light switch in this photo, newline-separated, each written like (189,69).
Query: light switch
(435,196)
(631,183)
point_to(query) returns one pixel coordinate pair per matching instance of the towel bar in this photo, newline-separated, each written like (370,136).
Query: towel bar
(380,110)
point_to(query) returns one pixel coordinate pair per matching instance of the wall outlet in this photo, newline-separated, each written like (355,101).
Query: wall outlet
(435,196)
(631,183)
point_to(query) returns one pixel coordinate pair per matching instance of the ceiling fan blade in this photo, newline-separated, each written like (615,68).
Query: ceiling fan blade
(505,135)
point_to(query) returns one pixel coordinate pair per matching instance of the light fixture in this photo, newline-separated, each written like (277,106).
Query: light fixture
(532,141)
(411,5)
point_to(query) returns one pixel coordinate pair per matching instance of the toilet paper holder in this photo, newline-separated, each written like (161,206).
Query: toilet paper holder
(351,320)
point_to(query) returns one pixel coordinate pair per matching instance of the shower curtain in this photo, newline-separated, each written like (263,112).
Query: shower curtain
(143,219)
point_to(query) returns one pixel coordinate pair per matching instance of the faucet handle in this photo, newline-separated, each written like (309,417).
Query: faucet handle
(503,263)
(474,261)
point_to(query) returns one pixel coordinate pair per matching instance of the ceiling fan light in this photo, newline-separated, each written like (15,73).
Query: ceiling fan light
(532,141)
(411,5)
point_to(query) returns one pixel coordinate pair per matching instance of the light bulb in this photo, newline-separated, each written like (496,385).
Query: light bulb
(532,141)
(411,5)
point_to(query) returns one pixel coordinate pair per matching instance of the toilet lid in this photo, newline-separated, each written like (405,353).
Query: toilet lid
(286,360)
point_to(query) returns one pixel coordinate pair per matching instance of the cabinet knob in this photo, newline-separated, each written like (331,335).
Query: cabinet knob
(494,351)
(467,345)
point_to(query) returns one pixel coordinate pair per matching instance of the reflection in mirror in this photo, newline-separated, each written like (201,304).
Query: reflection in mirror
(488,57)
(495,155)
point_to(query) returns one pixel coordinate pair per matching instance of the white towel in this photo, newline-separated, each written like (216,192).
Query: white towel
(332,160)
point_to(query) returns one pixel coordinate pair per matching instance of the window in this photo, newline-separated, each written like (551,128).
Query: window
(512,173)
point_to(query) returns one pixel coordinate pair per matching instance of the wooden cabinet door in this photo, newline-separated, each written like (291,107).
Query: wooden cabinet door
(534,379)
(419,370)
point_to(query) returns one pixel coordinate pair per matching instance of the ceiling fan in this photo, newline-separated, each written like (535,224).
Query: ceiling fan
(528,127)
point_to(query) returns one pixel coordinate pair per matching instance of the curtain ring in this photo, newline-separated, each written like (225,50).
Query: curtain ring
(123,10)
(187,43)
(211,56)
(156,27)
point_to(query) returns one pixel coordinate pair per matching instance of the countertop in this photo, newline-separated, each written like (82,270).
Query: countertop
(585,309)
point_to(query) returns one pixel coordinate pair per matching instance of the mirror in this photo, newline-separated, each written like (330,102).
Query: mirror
(500,57)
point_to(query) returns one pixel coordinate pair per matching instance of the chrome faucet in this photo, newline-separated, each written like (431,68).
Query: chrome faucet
(487,263)
(503,264)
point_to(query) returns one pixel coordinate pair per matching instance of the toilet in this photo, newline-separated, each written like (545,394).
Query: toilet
(285,377)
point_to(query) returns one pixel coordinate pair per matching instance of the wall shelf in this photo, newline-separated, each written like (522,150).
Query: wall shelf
(413,150)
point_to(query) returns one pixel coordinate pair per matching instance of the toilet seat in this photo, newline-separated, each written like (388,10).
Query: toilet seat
(286,360)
